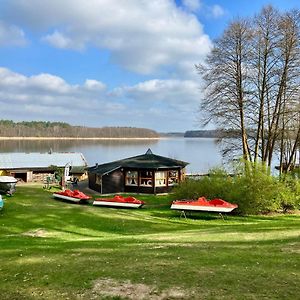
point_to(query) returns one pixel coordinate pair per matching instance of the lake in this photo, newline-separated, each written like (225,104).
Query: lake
(201,153)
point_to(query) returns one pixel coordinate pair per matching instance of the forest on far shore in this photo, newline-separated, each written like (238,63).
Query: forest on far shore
(9,128)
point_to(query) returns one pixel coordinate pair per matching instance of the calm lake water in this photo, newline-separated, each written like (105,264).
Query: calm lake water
(201,153)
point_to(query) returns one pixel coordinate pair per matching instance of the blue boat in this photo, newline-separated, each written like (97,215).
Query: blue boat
(1,202)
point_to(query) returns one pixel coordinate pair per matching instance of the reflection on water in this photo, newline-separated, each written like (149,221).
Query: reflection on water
(64,145)
(201,153)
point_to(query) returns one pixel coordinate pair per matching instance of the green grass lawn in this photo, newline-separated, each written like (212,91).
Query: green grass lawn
(57,250)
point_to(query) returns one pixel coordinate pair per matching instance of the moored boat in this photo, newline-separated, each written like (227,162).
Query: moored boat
(119,201)
(202,204)
(1,202)
(8,184)
(74,196)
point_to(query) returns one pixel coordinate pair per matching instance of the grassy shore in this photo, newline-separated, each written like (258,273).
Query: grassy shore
(57,250)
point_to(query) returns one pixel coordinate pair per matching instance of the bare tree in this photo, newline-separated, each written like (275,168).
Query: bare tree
(264,65)
(289,116)
(252,79)
(226,77)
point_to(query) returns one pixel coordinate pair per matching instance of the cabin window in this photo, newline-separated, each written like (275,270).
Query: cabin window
(146,178)
(131,178)
(98,179)
(160,178)
(173,177)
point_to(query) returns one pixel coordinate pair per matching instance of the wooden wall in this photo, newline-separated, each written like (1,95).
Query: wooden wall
(113,182)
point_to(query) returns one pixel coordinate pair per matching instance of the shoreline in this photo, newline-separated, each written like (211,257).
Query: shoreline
(79,138)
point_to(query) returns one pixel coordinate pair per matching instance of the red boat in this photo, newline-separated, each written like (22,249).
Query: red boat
(119,201)
(202,204)
(74,196)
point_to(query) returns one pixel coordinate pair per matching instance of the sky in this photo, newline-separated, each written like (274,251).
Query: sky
(111,62)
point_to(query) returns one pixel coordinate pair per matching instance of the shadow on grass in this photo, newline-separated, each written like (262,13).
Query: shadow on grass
(246,265)
(155,246)
(32,208)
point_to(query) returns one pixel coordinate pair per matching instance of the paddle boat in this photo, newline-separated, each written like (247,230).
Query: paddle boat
(8,185)
(119,201)
(202,204)
(1,202)
(74,196)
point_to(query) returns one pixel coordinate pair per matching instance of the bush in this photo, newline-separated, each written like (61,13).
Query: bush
(258,191)
(252,188)
(213,185)
(290,196)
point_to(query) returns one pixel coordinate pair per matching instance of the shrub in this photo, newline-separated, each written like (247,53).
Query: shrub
(290,196)
(192,189)
(258,191)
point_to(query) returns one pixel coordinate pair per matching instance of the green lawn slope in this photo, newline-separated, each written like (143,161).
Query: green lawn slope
(56,250)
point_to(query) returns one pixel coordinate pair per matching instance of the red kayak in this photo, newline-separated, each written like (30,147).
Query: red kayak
(202,204)
(119,201)
(74,196)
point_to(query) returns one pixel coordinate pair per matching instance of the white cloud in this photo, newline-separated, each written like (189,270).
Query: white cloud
(10,79)
(92,84)
(159,104)
(217,11)
(142,36)
(46,90)
(192,5)
(178,96)
(11,35)
(154,37)
(48,84)
(59,40)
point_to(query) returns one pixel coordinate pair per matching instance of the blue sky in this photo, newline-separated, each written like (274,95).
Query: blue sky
(110,62)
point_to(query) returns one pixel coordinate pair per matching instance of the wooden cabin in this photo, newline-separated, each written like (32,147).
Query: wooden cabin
(147,173)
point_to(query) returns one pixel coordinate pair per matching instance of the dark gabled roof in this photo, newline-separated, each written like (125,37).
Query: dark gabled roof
(144,161)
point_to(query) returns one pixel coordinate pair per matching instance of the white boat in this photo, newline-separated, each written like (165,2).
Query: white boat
(119,201)
(73,196)
(202,204)
(8,184)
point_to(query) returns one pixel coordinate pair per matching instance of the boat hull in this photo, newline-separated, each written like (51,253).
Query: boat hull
(202,208)
(117,204)
(1,203)
(7,184)
(72,199)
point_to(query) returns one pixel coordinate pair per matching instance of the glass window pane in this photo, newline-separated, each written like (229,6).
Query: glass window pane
(131,178)
(173,177)
(160,178)
(146,178)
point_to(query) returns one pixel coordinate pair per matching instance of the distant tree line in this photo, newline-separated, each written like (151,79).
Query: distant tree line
(226,133)
(215,133)
(9,128)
